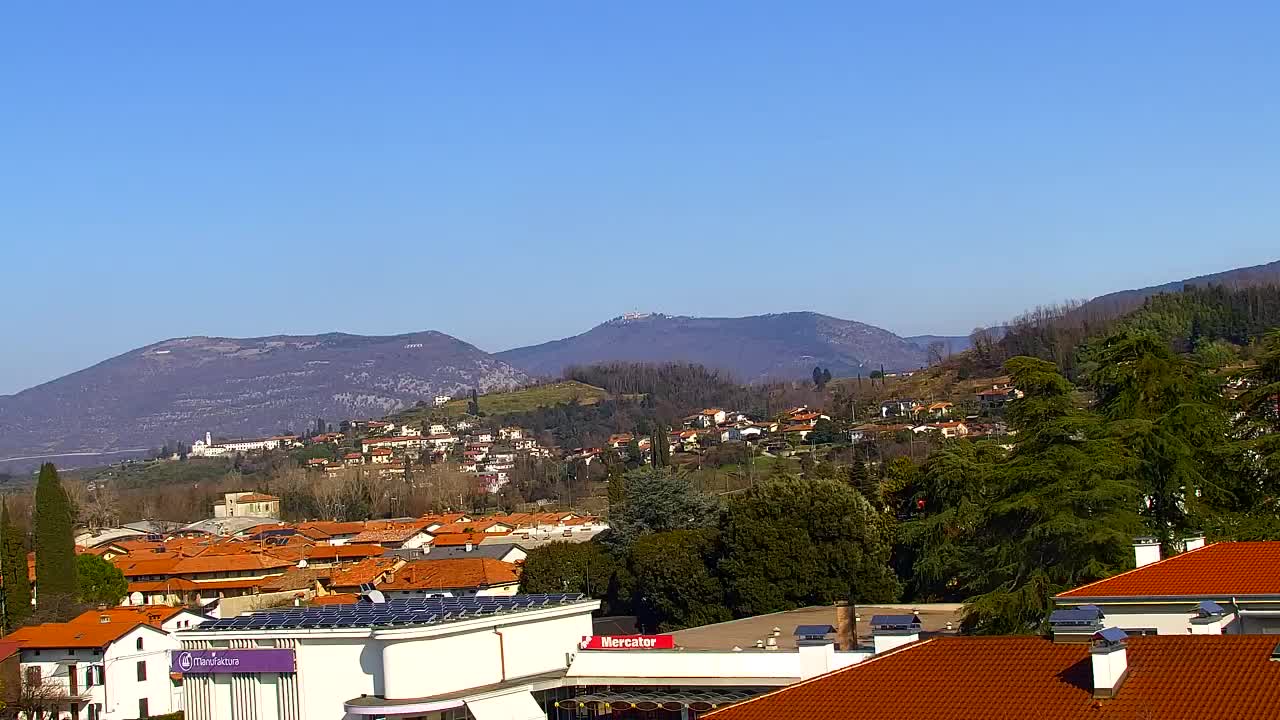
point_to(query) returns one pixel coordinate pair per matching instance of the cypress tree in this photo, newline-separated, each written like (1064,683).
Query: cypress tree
(55,547)
(13,570)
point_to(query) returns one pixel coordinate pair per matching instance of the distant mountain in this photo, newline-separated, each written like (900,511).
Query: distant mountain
(1118,303)
(786,345)
(179,389)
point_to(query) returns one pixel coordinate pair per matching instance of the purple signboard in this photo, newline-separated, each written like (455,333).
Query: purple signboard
(199,662)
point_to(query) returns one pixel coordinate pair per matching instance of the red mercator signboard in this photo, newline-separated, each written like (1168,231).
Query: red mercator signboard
(628,642)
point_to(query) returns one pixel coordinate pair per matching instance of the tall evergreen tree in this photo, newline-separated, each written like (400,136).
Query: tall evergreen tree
(56,579)
(1061,509)
(1167,414)
(13,570)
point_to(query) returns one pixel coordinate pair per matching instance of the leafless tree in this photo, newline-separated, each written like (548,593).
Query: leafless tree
(38,698)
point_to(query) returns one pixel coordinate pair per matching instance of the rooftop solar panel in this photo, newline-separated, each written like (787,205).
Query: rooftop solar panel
(399,612)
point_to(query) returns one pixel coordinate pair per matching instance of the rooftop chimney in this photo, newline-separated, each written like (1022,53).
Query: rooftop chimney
(1209,619)
(1110,661)
(104,619)
(1075,625)
(891,631)
(469,546)
(846,628)
(1146,550)
(1193,542)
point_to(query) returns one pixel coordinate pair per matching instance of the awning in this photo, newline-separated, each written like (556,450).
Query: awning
(701,700)
(513,706)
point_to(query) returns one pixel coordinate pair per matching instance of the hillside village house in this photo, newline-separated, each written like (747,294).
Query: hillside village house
(247,504)
(898,408)
(995,398)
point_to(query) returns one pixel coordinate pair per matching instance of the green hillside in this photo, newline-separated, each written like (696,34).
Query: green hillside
(515,401)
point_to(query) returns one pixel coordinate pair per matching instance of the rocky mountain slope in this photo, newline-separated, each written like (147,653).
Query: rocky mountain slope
(179,389)
(786,345)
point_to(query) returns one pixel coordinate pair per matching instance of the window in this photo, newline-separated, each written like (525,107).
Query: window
(88,676)
(142,670)
(33,677)
(94,711)
(75,711)
(73,685)
(144,708)
(139,643)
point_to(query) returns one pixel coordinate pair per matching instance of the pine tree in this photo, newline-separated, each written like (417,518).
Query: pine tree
(13,569)
(55,548)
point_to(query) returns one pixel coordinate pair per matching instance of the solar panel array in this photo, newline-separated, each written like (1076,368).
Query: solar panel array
(392,613)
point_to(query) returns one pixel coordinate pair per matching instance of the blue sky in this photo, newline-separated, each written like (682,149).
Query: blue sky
(515,172)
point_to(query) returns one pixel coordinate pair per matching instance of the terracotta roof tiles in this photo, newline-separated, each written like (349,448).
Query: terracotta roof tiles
(447,574)
(1180,677)
(1222,569)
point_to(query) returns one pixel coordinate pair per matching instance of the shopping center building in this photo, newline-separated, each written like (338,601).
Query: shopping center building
(523,657)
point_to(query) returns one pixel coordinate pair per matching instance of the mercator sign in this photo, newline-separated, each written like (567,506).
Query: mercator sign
(628,642)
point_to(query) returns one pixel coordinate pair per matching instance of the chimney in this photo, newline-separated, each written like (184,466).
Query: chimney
(1110,661)
(1209,619)
(1193,542)
(1146,550)
(469,546)
(846,627)
(892,631)
(817,652)
(104,619)
(1075,625)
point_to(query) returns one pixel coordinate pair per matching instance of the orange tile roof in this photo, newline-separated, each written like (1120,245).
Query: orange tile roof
(166,585)
(399,532)
(333,528)
(256,497)
(1220,570)
(152,615)
(132,566)
(1181,677)
(462,538)
(228,563)
(71,634)
(365,571)
(456,573)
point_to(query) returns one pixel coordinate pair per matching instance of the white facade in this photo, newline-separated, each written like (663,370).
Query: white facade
(403,667)
(110,678)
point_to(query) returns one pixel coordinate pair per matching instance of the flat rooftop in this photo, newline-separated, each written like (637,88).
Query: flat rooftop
(745,632)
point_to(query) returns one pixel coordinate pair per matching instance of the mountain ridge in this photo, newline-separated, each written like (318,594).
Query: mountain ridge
(755,347)
(181,387)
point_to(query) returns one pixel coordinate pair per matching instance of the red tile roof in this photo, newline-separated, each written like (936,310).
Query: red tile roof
(71,634)
(1179,677)
(257,497)
(152,615)
(1220,570)
(447,574)
(365,571)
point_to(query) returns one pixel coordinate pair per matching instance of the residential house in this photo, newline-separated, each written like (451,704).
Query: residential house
(510,433)
(371,571)
(711,417)
(939,410)
(898,408)
(353,458)
(380,455)
(247,504)
(109,667)
(996,398)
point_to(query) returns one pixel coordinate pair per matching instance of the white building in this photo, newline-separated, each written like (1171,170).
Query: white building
(107,664)
(207,448)
(247,504)
(442,400)
(482,658)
